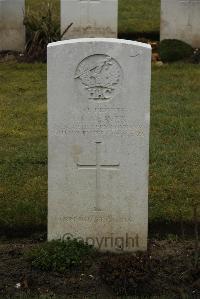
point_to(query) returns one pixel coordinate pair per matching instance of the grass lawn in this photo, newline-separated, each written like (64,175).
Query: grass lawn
(139,16)
(134,15)
(23,150)
(174,146)
(175,142)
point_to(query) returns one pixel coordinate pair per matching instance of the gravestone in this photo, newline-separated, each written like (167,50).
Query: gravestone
(98,126)
(12,31)
(90,18)
(180,19)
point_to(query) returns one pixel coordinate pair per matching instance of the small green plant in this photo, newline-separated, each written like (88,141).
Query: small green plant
(42,28)
(174,50)
(61,255)
(172,237)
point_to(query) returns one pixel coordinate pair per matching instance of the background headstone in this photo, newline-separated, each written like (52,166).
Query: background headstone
(180,19)
(12,31)
(90,18)
(98,124)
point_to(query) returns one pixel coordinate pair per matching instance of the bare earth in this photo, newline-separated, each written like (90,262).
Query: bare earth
(166,268)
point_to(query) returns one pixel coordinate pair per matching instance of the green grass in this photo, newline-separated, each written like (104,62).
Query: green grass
(174,144)
(139,16)
(37,6)
(134,15)
(23,150)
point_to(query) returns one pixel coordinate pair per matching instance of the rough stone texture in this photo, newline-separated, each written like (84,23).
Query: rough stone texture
(12,31)
(90,18)
(180,19)
(98,124)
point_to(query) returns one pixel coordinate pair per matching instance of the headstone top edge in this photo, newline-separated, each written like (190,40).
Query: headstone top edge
(98,40)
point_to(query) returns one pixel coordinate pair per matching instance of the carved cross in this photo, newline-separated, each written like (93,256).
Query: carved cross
(98,166)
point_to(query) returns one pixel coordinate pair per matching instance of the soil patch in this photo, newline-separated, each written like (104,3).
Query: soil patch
(153,35)
(157,230)
(167,267)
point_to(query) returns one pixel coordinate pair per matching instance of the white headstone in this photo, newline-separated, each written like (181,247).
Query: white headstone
(12,31)
(98,124)
(180,19)
(90,18)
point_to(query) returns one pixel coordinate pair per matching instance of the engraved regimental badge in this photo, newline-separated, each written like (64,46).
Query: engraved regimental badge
(99,76)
